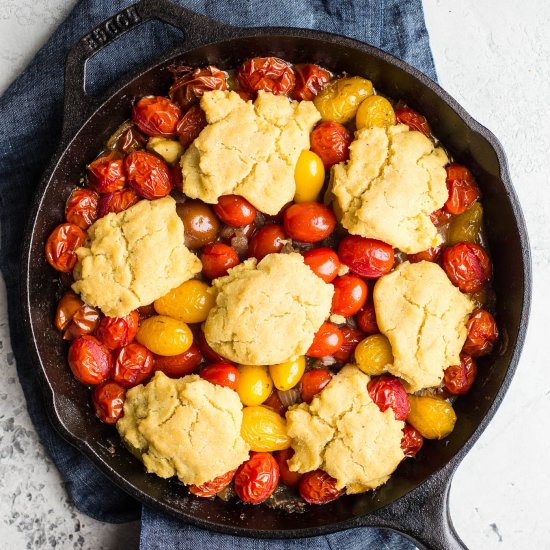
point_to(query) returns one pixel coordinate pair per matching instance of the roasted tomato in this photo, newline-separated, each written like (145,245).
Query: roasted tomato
(468,266)
(267,240)
(458,379)
(176,366)
(106,173)
(108,400)
(274,402)
(126,139)
(191,125)
(350,295)
(216,259)
(270,74)
(429,255)
(412,441)
(290,479)
(148,175)
(200,224)
(309,222)
(156,116)
(116,202)
(81,207)
(463,190)
(208,353)
(331,141)
(257,478)
(323,262)
(310,80)
(235,210)
(69,304)
(211,488)
(84,321)
(388,392)
(482,334)
(318,487)
(366,319)
(191,84)
(313,382)
(414,120)
(221,374)
(351,337)
(116,332)
(90,361)
(366,257)
(132,365)
(62,244)
(327,340)
(440,217)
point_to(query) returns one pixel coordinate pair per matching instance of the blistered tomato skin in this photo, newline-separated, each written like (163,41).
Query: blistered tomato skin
(106,173)
(482,334)
(309,176)
(463,190)
(323,262)
(290,479)
(253,384)
(264,429)
(458,379)
(190,84)
(331,141)
(309,222)
(414,120)
(164,335)
(190,126)
(90,361)
(116,332)
(327,340)
(83,321)
(257,478)
(340,99)
(221,374)
(310,80)
(350,294)
(318,487)
(116,202)
(467,265)
(132,365)
(213,487)
(200,225)
(190,302)
(148,175)
(412,441)
(351,337)
(81,208)
(217,259)
(466,226)
(313,382)
(176,366)
(388,392)
(235,210)
(108,400)
(429,255)
(61,246)
(286,375)
(270,74)
(374,354)
(156,116)
(375,111)
(267,240)
(366,257)
(69,304)
(366,319)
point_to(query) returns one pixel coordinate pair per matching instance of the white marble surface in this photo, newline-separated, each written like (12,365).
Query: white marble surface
(491,55)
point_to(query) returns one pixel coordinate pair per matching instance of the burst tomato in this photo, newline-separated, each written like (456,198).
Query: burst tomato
(331,141)
(310,80)
(156,116)
(290,479)
(84,321)
(132,365)
(323,262)
(388,392)
(482,334)
(467,265)
(267,240)
(108,400)
(463,190)
(216,259)
(148,175)
(115,332)
(429,255)
(221,374)
(257,478)
(106,173)
(414,120)
(351,337)
(176,366)
(309,222)
(313,382)
(211,488)
(458,379)
(327,340)
(116,202)
(90,361)
(270,74)
(318,487)
(190,84)
(412,441)
(62,244)
(81,208)
(191,125)
(235,210)
(350,294)
(366,257)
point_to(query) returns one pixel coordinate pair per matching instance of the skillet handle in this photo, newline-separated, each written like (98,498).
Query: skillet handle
(198,29)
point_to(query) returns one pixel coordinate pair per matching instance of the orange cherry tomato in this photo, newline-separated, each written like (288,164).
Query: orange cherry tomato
(290,479)
(81,208)
(310,80)
(190,84)
(108,400)
(156,116)
(412,441)
(270,74)
(458,379)
(116,332)
(318,487)
(62,244)
(429,255)
(235,210)
(116,202)
(106,173)
(221,374)
(257,478)
(323,262)
(189,127)
(176,366)
(366,257)
(467,265)
(217,258)
(388,392)
(132,365)
(414,120)
(463,190)
(267,240)
(148,175)
(331,141)
(84,321)
(90,361)
(351,337)
(211,488)
(326,341)
(313,382)
(350,294)
(366,319)
(69,304)
(482,334)
(309,222)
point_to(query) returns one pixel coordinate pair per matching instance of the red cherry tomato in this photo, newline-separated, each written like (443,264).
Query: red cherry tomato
(350,294)
(208,353)
(106,173)
(412,441)
(351,337)
(274,402)
(267,240)
(217,258)
(414,120)
(235,210)
(388,392)
(463,190)
(127,141)
(257,478)
(327,340)
(81,207)
(331,141)
(323,262)
(429,255)
(266,73)
(290,479)
(310,80)
(458,379)
(156,116)
(133,364)
(309,222)
(191,84)
(440,217)
(467,265)
(176,366)
(366,257)
(108,400)
(318,487)
(84,321)
(221,374)
(90,361)
(313,381)
(482,334)
(366,319)
(211,488)
(190,126)
(62,244)
(116,332)
(116,202)
(148,175)
(69,304)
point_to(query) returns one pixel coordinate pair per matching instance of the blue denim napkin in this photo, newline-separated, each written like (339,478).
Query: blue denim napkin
(30,124)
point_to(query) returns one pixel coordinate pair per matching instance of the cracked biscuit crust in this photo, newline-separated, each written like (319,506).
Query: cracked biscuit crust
(267,313)
(248,149)
(344,433)
(134,257)
(424,317)
(187,427)
(393,181)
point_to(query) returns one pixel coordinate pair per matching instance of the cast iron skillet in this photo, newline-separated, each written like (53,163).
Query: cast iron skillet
(415,500)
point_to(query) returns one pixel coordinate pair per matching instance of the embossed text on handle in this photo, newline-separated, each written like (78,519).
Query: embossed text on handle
(111,28)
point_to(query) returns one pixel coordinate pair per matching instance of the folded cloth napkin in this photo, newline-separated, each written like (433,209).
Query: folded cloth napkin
(30,123)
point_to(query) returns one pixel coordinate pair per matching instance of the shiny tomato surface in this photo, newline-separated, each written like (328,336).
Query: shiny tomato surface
(84,321)
(482,334)
(467,265)
(108,400)
(414,120)
(310,80)
(267,240)
(458,379)
(221,374)
(176,366)
(331,141)
(116,332)
(366,319)
(429,255)
(81,208)
(132,365)
(106,173)
(309,222)
(313,382)
(290,479)
(388,392)
(350,338)
(116,202)
(257,478)
(217,258)
(366,257)
(211,488)
(463,190)
(318,487)
(412,441)
(350,294)
(323,262)
(62,244)
(156,116)
(190,84)
(235,210)
(208,353)
(69,304)
(90,361)
(327,340)
(270,74)
(190,126)
(148,175)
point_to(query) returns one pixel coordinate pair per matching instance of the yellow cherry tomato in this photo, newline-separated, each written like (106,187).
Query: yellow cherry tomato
(254,384)
(373,354)
(264,430)
(433,418)
(309,176)
(375,111)
(164,335)
(190,302)
(286,375)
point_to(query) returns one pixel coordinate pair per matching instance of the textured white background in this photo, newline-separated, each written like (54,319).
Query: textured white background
(493,56)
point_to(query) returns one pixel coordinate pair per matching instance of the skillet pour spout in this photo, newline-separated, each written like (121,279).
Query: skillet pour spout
(415,499)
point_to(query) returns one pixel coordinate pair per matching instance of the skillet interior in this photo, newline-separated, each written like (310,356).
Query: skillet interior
(71,411)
